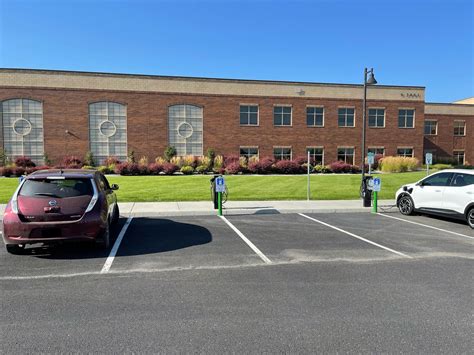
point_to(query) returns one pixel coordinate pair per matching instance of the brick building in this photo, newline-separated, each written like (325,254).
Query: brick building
(62,113)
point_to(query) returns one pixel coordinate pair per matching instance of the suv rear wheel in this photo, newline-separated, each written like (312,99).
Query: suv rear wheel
(470,218)
(405,205)
(104,241)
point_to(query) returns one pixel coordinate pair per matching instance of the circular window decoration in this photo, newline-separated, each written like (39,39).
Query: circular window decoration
(107,128)
(185,130)
(22,127)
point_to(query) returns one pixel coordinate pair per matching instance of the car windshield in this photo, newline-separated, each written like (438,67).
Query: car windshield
(58,188)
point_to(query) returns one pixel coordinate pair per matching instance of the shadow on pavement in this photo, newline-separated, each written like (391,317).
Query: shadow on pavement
(144,236)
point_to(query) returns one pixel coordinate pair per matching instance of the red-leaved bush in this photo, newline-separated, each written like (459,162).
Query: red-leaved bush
(72,162)
(342,167)
(24,162)
(231,159)
(6,171)
(288,167)
(19,171)
(111,161)
(127,169)
(155,168)
(170,168)
(263,166)
(233,168)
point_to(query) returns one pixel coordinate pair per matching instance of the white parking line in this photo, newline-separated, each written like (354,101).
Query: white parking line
(426,225)
(354,235)
(113,252)
(248,242)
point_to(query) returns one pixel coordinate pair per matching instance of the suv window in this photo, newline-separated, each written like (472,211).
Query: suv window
(441,179)
(57,188)
(463,180)
(103,183)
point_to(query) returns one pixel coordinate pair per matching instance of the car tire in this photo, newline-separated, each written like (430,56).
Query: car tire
(405,205)
(116,215)
(470,217)
(104,241)
(15,249)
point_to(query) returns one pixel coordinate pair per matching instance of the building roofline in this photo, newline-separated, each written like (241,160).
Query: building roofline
(169,77)
(447,103)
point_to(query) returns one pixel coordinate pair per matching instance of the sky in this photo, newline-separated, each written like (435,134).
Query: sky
(408,42)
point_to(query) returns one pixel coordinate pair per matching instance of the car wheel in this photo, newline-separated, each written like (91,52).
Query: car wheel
(405,205)
(15,249)
(116,216)
(470,218)
(104,241)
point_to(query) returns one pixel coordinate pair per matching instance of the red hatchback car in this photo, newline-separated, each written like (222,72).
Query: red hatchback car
(54,206)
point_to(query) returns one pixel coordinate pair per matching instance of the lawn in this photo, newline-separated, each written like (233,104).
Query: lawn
(241,187)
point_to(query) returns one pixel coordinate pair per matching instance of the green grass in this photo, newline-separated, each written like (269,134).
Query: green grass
(244,187)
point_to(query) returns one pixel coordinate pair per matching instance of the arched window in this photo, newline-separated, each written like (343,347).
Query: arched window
(22,123)
(108,130)
(185,129)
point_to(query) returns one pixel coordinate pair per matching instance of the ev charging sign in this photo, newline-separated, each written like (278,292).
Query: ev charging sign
(429,159)
(377,184)
(220,184)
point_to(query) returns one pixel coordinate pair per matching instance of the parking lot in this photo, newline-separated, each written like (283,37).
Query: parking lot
(351,282)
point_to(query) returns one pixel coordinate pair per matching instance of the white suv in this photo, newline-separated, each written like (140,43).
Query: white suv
(449,193)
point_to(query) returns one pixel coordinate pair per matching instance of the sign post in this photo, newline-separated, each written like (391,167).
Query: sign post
(220,188)
(370,160)
(377,183)
(308,193)
(429,161)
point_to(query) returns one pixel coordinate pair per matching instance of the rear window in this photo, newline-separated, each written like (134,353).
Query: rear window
(57,188)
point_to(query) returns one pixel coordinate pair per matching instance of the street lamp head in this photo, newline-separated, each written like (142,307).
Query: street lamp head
(371,80)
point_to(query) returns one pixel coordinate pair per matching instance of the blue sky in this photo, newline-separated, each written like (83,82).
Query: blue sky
(417,42)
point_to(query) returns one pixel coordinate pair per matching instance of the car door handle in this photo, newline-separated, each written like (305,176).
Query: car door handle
(437,190)
(470,192)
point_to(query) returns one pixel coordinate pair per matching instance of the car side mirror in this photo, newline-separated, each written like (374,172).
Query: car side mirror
(421,183)
(114,187)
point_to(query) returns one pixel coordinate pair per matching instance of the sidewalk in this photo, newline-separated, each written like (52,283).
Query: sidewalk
(203,208)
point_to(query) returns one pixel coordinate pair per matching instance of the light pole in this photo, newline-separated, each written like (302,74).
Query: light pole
(370,80)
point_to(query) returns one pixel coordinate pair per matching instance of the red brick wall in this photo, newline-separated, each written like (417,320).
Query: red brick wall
(444,143)
(148,133)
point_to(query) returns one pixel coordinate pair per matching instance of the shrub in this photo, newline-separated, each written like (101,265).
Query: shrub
(155,168)
(445,160)
(87,167)
(288,167)
(262,166)
(243,163)
(143,161)
(72,162)
(201,169)
(3,157)
(301,159)
(321,169)
(143,170)
(187,170)
(339,167)
(6,171)
(441,166)
(18,170)
(230,159)
(233,168)
(189,160)
(253,159)
(111,161)
(89,159)
(170,168)
(169,152)
(178,161)
(205,162)
(218,163)
(398,164)
(127,169)
(24,162)
(46,160)
(104,169)
(210,154)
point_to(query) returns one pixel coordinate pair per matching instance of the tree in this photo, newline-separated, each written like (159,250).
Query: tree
(89,159)
(170,152)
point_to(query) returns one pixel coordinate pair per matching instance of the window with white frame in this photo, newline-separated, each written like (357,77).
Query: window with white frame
(282,115)
(248,152)
(282,153)
(376,117)
(315,116)
(108,130)
(405,152)
(248,115)
(459,128)
(458,156)
(406,118)
(185,129)
(431,128)
(346,155)
(22,123)
(376,150)
(345,117)
(316,155)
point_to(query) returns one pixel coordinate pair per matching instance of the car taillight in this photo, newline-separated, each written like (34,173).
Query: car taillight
(94,198)
(14,205)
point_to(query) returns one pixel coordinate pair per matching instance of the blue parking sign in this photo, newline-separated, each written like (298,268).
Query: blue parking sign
(220,184)
(377,183)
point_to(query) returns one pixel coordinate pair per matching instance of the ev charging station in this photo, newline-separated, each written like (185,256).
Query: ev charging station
(218,188)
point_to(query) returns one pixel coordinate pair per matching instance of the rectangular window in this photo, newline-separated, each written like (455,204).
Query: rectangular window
(282,115)
(431,128)
(459,128)
(248,115)
(346,155)
(315,116)
(282,153)
(405,152)
(345,117)
(376,150)
(376,117)
(406,118)
(316,155)
(248,152)
(458,156)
